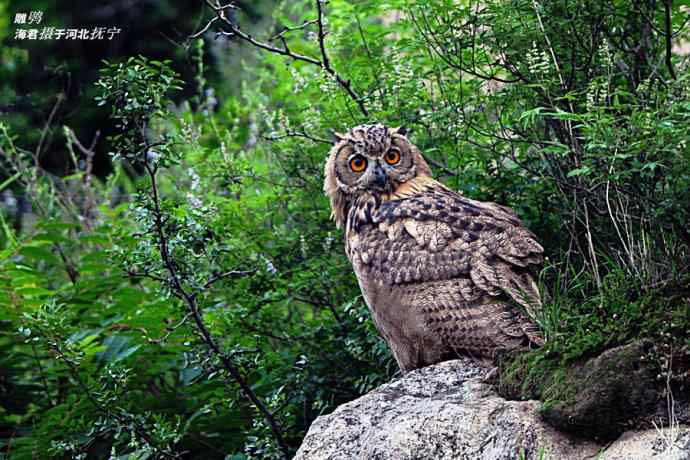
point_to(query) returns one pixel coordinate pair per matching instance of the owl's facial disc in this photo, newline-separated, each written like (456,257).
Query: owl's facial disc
(367,173)
(380,176)
(369,159)
(372,158)
(377,178)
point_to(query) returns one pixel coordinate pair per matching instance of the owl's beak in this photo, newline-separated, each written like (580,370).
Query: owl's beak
(380,176)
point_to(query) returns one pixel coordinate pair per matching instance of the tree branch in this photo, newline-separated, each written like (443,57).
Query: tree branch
(324,63)
(441,166)
(668,5)
(193,307)
(304,134)
(286,29)
(228,274)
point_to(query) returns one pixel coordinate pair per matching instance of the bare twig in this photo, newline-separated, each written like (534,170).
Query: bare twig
(228,274)
(286,29)
(668,5)
(41,373)
(324,303)
(204,29)
(135,275)
(441,166)
(89,153)
(304,134)
(28,179)
(437,47)
(322,36)
(169,330)
(46,128)
(324,62)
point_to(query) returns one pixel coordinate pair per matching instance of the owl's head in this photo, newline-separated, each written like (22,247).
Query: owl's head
(369,159)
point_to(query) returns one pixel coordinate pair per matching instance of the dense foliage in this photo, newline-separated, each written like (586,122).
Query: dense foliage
(195,301)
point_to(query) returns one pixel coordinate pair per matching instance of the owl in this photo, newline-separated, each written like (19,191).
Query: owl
(442,275)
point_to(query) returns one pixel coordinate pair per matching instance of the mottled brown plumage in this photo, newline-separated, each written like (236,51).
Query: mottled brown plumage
(443,275)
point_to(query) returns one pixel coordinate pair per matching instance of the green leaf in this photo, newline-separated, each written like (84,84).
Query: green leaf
(116,348)
(579,171)
(39,253)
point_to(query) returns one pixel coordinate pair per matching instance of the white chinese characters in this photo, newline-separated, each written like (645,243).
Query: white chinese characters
(33,17)
(56,33)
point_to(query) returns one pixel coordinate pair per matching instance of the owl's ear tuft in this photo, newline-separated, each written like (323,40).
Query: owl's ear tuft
(337,137)
(402,130)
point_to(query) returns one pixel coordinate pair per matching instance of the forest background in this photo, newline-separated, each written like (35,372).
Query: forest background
(171,285)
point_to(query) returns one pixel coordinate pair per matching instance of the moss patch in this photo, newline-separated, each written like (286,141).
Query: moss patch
(613,363)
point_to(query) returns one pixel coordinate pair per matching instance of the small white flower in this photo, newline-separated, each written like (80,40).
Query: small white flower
(328,242)
(9,201)
(303,246)
(270,268)
(196,180)
(152,156)
(194,201)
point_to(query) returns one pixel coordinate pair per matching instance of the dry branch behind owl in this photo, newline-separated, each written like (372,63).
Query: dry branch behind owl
(323,61)
(443,275)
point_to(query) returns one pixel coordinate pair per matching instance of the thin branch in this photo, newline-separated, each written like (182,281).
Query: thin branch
(134,275)
(46,128)
(322,36)
(236,32)
(229,274)
(204,29)
(28,181)
(441,166)
(70,267)
(89,153)
(320,303)
(41,373)
(324,63)
(193,307)
(668,5)
(436,47)
(290,133)
(171,329)
(287,29)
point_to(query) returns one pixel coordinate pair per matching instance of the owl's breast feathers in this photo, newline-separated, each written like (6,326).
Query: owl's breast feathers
(425,232)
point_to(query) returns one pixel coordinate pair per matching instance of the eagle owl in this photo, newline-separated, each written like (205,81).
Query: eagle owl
(443,275)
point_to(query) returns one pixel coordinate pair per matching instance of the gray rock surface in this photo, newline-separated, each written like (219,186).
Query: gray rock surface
(447,411)
(666,444)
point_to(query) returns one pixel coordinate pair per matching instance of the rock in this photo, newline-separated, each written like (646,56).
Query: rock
(667,444)
(607,394)
(447,411)
(439,412)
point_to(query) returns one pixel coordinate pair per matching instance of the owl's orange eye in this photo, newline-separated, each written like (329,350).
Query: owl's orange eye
(358,163)
(392,157)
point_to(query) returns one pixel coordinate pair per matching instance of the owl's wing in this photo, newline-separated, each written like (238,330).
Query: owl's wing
(440,235)
(467,319)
